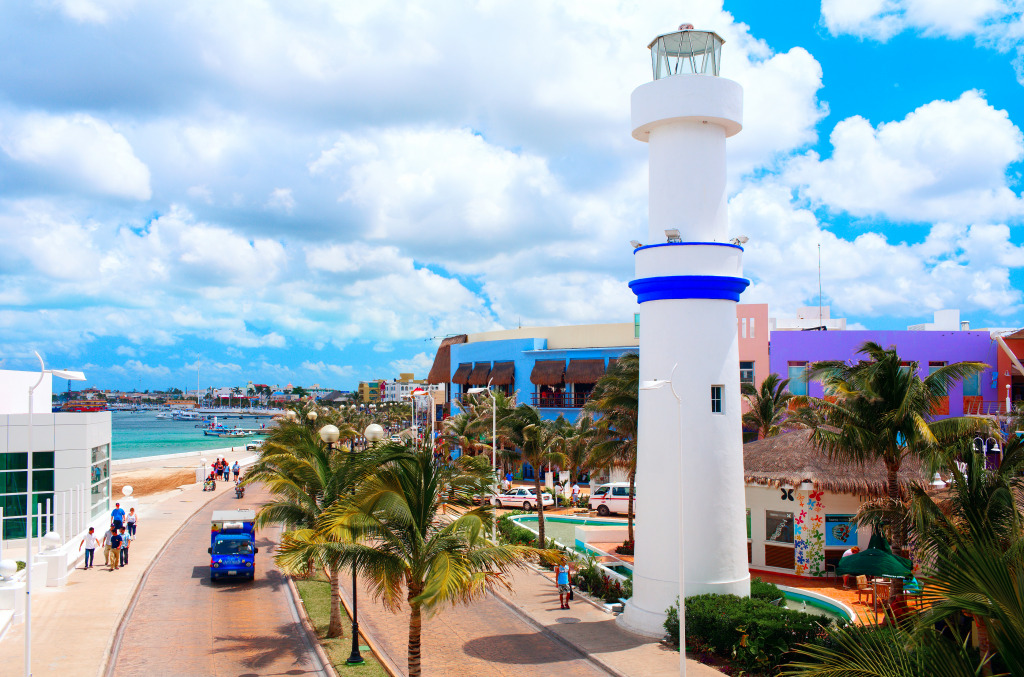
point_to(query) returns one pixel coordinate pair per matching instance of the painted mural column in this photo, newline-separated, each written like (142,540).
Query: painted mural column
(689,279)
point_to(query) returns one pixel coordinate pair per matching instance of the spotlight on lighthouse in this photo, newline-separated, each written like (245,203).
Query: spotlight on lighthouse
(742,239)
(673,235)
(636,244)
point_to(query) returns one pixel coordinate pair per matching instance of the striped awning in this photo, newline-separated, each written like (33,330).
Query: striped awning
(503,373)
(461,374)
(584,371)
(548,373)
(478,377)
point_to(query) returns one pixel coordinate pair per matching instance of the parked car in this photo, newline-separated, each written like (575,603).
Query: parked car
(254,445)
(520,497)
(609,498)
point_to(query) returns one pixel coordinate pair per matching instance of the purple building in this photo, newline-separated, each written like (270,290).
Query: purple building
(791,352)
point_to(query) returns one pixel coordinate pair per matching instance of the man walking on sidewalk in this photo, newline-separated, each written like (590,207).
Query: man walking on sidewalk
(126,541)
(107,545)
(562,571)
(90,542)
(115,551)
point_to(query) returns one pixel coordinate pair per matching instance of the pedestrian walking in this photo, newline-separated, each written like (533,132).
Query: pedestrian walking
(107,545)
(117,516)
(115,551)
(131,521)
(562,571)
(575,492)
(126,541)
(226,469)
(235,469)
(91,542)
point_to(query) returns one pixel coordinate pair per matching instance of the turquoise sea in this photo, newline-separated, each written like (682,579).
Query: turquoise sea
(139,434)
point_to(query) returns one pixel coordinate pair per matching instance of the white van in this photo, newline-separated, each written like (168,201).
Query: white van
(609,498)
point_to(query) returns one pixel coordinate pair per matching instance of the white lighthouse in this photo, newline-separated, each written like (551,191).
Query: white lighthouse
(688,280)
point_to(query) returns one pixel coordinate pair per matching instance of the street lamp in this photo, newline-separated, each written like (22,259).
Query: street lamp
(71,376)
(373,433)
(494,444)
(655,385)
(985,445)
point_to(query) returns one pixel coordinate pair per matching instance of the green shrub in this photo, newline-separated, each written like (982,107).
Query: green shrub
(752,633)
(766,591)
(511,533)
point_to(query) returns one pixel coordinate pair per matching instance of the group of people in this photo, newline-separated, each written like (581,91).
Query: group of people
(116,542)
(221,467)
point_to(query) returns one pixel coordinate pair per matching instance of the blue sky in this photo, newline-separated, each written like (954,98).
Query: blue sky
(314,193)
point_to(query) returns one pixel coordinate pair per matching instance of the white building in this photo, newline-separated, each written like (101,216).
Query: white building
(808,318)
(400,389)
(71,460)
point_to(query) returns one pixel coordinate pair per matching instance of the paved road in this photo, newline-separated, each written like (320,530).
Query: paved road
(483,638)
(182,625)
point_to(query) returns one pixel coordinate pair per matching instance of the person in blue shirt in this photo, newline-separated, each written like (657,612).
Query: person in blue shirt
(117,517)
(562,571)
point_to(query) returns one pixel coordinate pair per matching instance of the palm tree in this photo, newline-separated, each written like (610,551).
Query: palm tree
(578,441)
(236,392)
(768,407)
(539,443)
(414,552)
(463,430)
(306,478)
(879,408)
(616,398)
(972,542)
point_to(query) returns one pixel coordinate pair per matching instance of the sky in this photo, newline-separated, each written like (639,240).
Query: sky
(317,192)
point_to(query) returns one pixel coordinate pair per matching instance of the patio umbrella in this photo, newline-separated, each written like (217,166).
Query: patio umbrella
(878,541)
(874,562)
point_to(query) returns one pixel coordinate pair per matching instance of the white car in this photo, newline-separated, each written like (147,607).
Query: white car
(609,498)
(520,497)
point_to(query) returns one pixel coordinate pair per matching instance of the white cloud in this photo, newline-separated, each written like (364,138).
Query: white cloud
(994,23)
(126,351)
(947,160)
(419,364)
(281,198)
(82,150)
(92,11)
(135,368)
(954,266)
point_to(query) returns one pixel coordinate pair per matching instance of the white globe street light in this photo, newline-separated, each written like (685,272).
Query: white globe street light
(329,434)
(373,433)
(311,416)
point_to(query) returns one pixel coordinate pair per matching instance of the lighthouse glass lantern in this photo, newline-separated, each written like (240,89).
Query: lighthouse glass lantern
(686,52)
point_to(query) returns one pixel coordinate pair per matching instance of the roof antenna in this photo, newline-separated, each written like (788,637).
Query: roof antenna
(819,284)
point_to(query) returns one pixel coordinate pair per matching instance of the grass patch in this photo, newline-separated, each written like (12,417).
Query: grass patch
(316,596)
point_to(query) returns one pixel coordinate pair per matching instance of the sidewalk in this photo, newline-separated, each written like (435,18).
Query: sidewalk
(593,631)
(73,627)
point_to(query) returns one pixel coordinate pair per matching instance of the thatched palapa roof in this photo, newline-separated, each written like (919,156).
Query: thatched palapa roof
(791,459)
(548,373)
(461,374)
(443,359)
(584,371)
(478,377)
(503,373)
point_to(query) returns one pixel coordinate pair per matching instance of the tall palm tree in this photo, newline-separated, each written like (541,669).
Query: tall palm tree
(463,430)
(235,392)
(539,442)
(306,477)
(616,398)
(768,407)
(578,439)
(413,552)
(880,408)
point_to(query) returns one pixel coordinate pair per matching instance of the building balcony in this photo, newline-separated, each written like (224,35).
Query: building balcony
(560,400)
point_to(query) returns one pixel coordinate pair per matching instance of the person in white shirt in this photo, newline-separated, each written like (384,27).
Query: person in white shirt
(575,492)
(91,543)
(107,549)
(852,551)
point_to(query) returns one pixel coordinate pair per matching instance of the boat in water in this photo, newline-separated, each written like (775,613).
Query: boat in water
(85,405)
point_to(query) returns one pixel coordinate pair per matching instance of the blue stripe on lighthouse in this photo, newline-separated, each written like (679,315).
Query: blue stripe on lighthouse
(688,287)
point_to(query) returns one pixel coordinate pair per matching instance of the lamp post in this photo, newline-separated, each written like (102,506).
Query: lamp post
(494,443)
(71,376)
(373,434)
(655,385)
(987,444)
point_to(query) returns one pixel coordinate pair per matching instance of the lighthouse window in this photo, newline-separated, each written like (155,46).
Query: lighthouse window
(716,399)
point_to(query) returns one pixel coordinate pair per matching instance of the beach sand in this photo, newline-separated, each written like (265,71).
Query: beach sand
(157,474)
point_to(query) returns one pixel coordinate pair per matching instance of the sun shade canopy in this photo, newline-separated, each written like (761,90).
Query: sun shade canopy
(584,371)
(548,373)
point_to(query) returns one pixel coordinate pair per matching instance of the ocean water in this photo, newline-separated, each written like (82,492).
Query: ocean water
(140,434)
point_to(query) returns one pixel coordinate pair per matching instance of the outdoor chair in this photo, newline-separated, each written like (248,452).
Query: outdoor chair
(862,587)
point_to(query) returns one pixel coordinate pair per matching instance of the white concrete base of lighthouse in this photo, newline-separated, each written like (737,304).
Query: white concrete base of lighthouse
(639,622)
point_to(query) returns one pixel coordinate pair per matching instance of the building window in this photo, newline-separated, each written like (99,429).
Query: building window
(12,489)
(778,526)
(972,385)
(751,327)
(798,378)
(934,367)
(743,328)
(636,325)
(717,406)
(747,372)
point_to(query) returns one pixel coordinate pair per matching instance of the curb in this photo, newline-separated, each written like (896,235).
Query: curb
(382,656)
(307,625)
